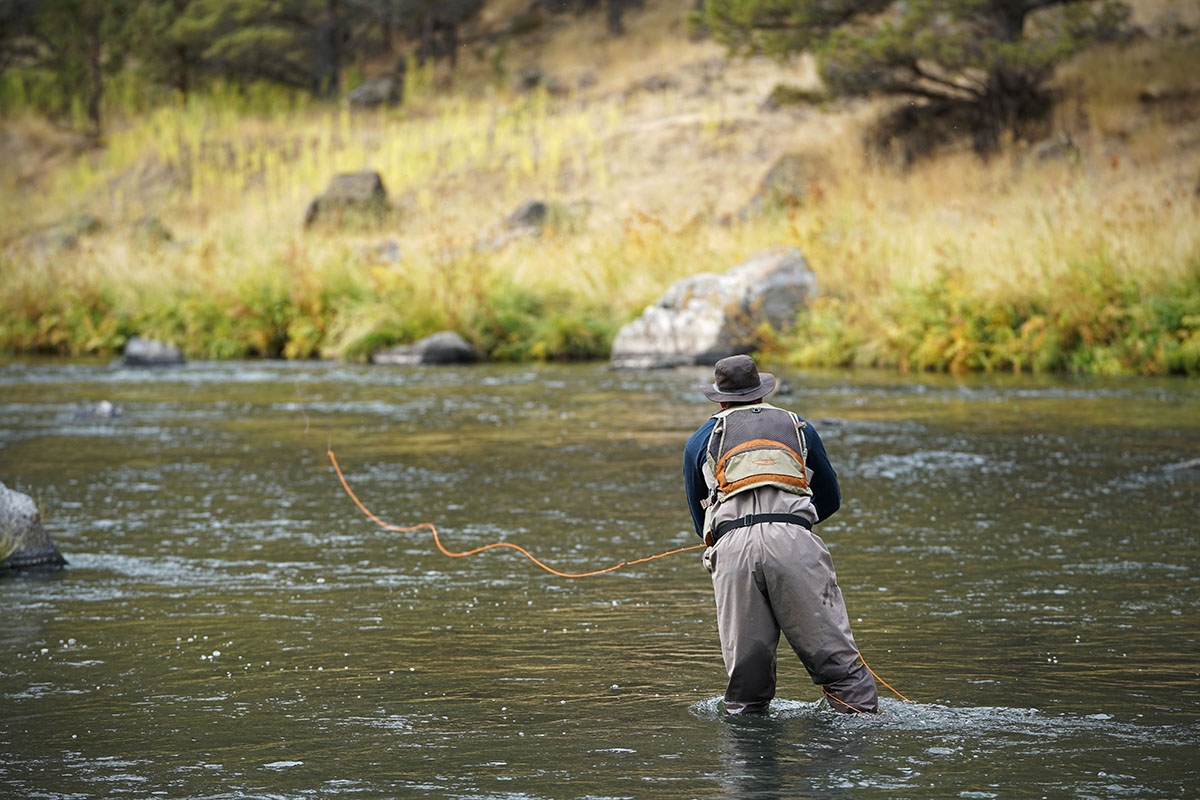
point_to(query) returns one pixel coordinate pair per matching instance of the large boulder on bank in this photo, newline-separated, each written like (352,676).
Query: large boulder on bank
(352,197)
(446,347)
(23,541)
(141,352)
(709,316)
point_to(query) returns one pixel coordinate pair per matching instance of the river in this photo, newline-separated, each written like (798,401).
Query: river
(1019,557)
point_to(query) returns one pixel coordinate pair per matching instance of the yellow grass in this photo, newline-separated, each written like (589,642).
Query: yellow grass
(657,172)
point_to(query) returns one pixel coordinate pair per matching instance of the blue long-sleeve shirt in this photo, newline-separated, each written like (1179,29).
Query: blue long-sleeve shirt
(827,497)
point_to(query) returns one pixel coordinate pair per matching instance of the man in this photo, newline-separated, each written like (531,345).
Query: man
(757,481)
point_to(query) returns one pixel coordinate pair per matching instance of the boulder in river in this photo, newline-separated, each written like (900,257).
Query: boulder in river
(706,317)
(23,541)
(352,197)
(444,347)
(141,352)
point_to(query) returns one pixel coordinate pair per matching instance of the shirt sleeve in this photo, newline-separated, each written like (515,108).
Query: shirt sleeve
(693,474)
(827,497)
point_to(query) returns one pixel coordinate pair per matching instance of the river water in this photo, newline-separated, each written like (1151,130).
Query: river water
(1018,555)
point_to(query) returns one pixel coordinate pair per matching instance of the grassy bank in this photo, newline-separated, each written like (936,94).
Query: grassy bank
(1086,262)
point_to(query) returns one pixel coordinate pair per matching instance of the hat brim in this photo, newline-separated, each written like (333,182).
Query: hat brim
(766,385)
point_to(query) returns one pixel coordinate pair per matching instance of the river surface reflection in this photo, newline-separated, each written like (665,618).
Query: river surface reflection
(1018,555)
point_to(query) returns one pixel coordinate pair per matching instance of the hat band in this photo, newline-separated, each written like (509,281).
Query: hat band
(743,391)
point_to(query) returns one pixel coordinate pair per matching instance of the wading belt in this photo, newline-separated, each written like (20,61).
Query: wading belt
(754,519)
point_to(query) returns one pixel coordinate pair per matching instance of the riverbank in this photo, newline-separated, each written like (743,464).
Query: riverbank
(186,225)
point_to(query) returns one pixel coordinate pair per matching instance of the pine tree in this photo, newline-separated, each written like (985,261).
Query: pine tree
(992,57)
(74,46)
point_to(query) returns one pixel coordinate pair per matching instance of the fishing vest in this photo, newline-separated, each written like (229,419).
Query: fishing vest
(752,446)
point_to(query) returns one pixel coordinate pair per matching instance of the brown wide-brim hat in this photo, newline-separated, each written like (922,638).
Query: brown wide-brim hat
(739,381)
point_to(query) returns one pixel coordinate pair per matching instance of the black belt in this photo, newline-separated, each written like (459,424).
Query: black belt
(754,519)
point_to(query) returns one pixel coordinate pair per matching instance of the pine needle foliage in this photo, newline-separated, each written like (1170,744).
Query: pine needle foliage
(993,57)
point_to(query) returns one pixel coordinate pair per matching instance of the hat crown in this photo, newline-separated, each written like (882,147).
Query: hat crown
(737,380)
(737,375)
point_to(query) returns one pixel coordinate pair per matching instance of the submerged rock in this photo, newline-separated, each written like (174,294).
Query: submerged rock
(23,541)
(707,317)
(445,347)
(141,352)
(102,410)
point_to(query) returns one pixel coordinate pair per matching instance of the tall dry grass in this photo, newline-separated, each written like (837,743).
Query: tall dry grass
(1088,262)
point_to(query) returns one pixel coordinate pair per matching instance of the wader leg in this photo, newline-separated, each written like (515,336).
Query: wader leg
(808,605)
(748,629)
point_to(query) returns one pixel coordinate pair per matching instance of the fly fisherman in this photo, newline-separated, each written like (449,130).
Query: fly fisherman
(757,480)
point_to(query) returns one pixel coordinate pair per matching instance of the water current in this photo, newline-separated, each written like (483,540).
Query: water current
(1018,555)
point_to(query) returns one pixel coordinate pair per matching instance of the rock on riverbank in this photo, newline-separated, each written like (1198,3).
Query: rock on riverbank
(706,317)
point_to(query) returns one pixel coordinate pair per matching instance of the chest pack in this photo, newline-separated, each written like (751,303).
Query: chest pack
(754,446)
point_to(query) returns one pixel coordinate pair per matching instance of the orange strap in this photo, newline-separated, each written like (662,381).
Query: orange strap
(437,540)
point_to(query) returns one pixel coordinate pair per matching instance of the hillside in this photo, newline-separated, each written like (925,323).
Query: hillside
(186,224)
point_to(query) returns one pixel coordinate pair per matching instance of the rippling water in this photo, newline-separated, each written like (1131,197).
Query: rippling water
(1018,555)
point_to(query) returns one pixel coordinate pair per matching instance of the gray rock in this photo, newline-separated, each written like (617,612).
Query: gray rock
(350,197)
(1056,148)
(384,90)
(527,221)
(1168,25)
(1191,463)
(385,252)
(531,214)
(151,230)
(141,352)
(706,317)
(102,410)
(787,184)
(23,541)
(445,347)
(66,234)
(659,83)
(529,78)
(784,95)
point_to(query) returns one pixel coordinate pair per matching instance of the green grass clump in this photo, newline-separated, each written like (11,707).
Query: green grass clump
(1091,321)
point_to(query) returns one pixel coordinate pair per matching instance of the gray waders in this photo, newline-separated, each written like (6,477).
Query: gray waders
(771,577)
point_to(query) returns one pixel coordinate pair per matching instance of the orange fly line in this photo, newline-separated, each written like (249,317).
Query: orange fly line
(438,541)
